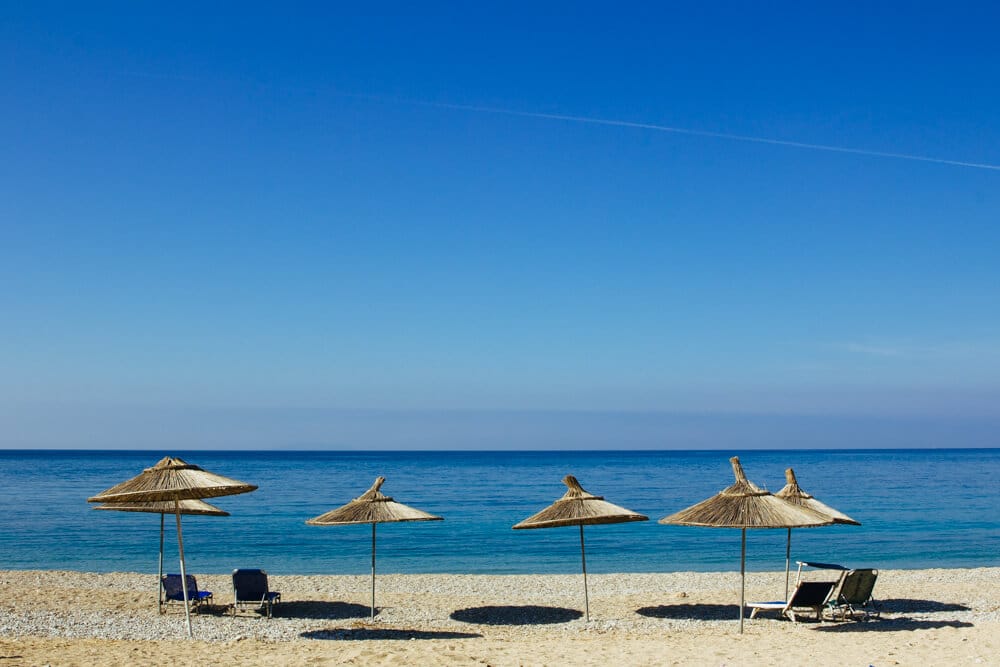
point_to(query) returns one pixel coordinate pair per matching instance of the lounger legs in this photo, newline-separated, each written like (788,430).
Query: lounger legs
(265,605)
(817,610)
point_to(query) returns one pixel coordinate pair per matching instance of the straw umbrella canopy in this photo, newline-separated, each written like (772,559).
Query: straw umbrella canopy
(744,505)
(173,480)
(577,507)
(372,507)
(189,507)
(794,494)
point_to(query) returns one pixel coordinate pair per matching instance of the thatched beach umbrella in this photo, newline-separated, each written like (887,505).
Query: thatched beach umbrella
(190,507)
(743,505)
(794,494)
(173,480)
(372,507)
(577,507)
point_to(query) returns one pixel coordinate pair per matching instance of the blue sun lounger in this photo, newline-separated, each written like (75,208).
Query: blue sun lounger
(172,592)
(250,591)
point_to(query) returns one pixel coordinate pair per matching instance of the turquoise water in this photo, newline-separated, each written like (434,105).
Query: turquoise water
(919,508)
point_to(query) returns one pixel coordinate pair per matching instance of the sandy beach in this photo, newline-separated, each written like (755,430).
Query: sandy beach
(929,617)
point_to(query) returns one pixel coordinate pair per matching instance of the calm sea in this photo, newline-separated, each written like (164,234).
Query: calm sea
(919,508)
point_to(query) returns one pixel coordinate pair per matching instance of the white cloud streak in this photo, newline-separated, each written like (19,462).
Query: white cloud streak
(609,122)
(905,350)
(713,135)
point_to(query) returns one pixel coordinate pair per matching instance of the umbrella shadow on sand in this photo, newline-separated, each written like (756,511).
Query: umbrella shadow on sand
(322,609)
(348,634)
(908,605)
(516,615)
(205,609)
(892,625)
(697,612)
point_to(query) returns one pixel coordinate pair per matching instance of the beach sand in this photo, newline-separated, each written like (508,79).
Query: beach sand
(930,617)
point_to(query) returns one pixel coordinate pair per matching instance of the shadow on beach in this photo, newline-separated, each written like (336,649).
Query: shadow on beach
(203,610)
(911,606)
(321,609)
(891,625)
(510,615)
(697,612)
(356,634)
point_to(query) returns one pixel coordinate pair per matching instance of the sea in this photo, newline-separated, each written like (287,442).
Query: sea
(918,508)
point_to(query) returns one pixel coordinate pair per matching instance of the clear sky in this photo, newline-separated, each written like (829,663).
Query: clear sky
(395,225)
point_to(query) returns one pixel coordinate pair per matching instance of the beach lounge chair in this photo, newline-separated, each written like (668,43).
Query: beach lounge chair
(172,592)
(855,596)
(807,595)
(250,591)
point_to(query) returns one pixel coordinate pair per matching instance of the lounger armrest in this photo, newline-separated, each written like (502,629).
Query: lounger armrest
(820,566)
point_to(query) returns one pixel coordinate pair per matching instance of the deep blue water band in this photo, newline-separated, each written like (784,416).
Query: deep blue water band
(919,508)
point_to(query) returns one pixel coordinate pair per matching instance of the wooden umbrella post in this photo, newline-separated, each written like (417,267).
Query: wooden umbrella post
(743,571)
(159,568)
(586,595)
(788,560)
(373,571)
(180,548)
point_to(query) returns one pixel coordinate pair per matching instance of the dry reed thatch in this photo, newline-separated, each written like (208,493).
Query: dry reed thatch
(794,494)
(744,505)
(371,507)
(578,507)
(191,507)
(172,479)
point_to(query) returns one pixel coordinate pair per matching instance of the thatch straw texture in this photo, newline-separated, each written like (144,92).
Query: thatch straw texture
(577,507)
(191,507)
(372,507)
(172,479)
(744,505)
(794,494)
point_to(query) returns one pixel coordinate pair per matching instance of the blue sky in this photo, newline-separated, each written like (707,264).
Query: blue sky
(314,226)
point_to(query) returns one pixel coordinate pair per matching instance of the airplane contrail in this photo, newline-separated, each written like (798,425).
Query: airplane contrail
(617,123)
(707,133)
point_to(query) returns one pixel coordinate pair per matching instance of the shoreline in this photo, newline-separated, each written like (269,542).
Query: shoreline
(59,617)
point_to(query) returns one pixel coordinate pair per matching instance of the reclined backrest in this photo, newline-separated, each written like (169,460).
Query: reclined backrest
(172,586)
(811,593)
(858,586)
(250,584)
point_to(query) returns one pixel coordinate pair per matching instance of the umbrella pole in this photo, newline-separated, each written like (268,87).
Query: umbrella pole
(373,571)
(180,548)
(159,568)
(743,576)
(583,559)
(788,560)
